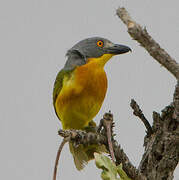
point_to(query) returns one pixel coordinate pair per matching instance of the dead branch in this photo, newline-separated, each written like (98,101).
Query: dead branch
(89,138)
(141,35)
(107,123)
(138,112)
(161,154)
(66,139)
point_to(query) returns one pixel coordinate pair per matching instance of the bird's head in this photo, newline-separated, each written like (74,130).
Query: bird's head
(95,47)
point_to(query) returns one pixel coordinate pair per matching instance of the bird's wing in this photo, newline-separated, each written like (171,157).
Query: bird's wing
(59,84)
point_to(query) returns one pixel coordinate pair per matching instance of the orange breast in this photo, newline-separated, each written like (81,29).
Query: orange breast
(82,96)
(93,80)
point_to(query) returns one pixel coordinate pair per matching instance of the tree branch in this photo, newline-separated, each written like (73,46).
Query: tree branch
(161,149)
(107,123)
(138,112)
(176,102)
(82,137)
(127,166)
(141,35)
(161,154)
(66,139)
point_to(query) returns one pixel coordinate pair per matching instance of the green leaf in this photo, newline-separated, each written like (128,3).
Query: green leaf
(109,168)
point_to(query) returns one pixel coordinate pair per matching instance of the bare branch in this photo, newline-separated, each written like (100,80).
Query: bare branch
(161,154)
(81,137)
(141,35)
(127,166)
(138,112)
(161,149)
(66,139)
(107,123)
(115,150)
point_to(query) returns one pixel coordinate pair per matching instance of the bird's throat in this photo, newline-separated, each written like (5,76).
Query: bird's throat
(101,60)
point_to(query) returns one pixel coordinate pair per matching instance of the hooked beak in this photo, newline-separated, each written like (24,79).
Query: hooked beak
(118,49)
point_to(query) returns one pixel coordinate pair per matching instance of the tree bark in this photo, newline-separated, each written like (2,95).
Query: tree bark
(161,154)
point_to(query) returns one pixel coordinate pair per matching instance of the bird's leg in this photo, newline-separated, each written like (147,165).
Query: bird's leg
(91,127)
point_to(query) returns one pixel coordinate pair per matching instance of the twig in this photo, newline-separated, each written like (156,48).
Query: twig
(66,139)
(86,138)
(127,166)
(138,112)
(141,35)
(108,124)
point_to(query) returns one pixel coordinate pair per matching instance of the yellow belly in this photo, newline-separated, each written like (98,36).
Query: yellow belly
(81,96)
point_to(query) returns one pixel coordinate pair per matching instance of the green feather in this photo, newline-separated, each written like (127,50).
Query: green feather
(59,84)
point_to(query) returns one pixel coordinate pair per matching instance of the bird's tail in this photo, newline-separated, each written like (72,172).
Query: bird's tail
(82,154)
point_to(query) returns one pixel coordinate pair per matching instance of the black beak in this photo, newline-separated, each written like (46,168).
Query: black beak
(118,49)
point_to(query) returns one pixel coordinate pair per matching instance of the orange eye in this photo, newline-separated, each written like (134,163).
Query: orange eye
(100,43)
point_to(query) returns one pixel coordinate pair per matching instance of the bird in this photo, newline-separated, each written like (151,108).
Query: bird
(80,88)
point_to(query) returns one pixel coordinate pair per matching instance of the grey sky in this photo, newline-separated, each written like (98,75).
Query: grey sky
(34,37)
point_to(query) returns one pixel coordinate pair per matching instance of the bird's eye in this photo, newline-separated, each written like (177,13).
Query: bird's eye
(100,43)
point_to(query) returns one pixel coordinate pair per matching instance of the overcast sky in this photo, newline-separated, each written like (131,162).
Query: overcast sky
(34,37)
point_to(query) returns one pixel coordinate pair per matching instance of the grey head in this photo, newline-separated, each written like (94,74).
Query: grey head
(92,48)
